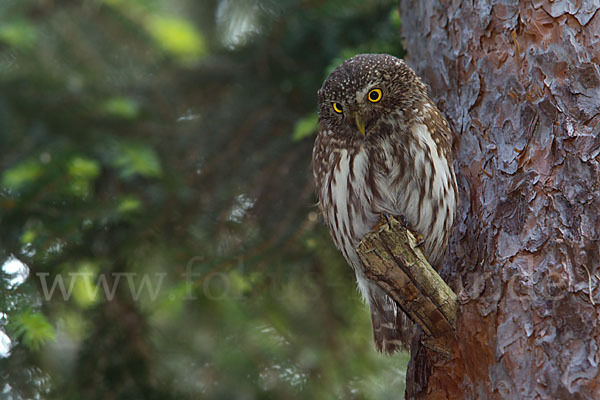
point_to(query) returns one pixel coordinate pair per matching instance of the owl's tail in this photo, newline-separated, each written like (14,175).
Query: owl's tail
(392,329)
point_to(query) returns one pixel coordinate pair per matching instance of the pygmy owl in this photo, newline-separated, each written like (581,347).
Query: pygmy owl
(383,148)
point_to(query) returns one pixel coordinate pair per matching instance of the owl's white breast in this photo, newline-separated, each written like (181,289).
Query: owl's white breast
(348,203)
(347,200)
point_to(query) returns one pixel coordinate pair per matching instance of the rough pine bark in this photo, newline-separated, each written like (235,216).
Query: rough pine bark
(520,82)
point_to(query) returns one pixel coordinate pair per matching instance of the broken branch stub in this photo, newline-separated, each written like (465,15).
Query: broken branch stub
(392,258)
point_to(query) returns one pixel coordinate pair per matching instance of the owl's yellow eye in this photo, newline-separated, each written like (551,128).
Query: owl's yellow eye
(336,107)
(375,95)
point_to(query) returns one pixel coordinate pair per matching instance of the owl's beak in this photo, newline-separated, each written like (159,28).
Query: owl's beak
(360,122)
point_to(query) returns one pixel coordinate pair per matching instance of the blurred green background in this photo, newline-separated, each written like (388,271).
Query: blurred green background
(159,237)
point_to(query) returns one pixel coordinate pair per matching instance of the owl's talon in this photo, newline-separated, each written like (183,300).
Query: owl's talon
(387,219)
(383,219)
(403,221)
(420,240)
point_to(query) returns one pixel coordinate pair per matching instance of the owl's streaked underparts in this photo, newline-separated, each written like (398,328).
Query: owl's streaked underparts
(383,147)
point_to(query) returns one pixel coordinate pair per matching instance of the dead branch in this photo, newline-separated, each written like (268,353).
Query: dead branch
(393,259)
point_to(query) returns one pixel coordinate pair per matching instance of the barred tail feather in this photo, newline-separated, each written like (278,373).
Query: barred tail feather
(392,329)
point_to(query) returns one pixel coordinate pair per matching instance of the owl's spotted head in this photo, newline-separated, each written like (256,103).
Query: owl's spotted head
(362,92)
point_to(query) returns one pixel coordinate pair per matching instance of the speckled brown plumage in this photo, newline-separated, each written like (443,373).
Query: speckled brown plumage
(401,165)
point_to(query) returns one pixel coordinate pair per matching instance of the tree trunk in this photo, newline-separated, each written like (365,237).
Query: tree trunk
(520,82)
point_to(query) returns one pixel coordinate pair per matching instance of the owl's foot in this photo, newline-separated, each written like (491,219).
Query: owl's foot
(420,239)
(404,222)
(387,219)
(383,219)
